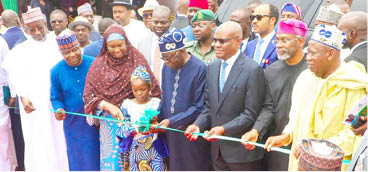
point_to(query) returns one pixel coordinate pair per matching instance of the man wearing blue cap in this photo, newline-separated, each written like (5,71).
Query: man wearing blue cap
(67,84)
(183,81)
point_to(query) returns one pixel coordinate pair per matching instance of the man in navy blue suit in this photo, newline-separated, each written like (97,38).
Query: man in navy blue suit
(263,50)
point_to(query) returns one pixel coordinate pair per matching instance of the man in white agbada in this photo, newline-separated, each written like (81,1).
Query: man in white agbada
(28,66)
(5,136)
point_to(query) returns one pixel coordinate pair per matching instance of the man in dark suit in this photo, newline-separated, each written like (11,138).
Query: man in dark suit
(354,25)
(234,95)
(263,50)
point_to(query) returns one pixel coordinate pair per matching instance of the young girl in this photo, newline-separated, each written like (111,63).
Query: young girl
(146,152)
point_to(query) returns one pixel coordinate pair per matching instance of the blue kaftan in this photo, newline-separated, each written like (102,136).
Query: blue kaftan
(187,105)
(67,85)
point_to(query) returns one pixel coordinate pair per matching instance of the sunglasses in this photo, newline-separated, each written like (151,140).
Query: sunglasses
(223,40)
(146,15)
(258,17)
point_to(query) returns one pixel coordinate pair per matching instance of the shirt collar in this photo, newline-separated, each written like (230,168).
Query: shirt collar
(268,37)
(232,59)
(357,45)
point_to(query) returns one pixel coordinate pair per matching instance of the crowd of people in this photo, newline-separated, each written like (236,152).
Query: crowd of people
(121,94)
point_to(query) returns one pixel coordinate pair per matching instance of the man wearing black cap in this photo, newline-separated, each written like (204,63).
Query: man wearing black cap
(134,29)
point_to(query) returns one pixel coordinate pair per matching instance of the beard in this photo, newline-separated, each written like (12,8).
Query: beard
(285,55)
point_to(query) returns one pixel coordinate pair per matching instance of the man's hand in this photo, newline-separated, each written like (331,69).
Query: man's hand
(11,102)
(60,114)
(251,136)
(219,130)
(276,141)
(27,104)
(192,129)
(114,111)
(360,130)
(296,151)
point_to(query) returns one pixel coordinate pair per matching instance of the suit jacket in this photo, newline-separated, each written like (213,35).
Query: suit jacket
(360,153)
(359,55)
(14,36)
(269,56)
(180,22)
(236,108)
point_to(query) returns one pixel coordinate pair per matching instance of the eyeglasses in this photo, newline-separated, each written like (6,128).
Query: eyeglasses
(223,40)
(258,17)
(57,21)
(284,41)
(168,58)
(146,15)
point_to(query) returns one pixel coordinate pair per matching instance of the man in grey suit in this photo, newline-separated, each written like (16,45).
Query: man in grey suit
(354,25)
(234,95)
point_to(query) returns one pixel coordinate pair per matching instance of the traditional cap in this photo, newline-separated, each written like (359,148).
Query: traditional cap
(330,14)
(329,35)
(320,155)
(292,26)
(86,7)
(126,3)
(67,40)
(79,20)
(149,5)
(204,15)
(141,73)
(172,40)
(33,15)
(291,7)
(202,4)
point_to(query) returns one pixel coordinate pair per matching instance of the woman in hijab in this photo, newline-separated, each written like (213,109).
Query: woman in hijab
(108,85)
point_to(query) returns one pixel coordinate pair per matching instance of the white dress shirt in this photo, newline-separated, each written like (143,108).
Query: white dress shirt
(230,62)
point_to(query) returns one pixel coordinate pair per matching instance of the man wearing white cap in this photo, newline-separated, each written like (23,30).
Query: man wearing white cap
(28,66)
(146,12)
(86,11)
(323,95)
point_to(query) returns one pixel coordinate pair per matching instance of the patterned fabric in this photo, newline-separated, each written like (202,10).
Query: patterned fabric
(329,35)
(172,40)
(144,157)
(141,73)
(292,26)
(111,160)
(176,85)
(109,78)
(142,151)
(291,7)
(320,155)
(33,15)
(330,14)
(67,40)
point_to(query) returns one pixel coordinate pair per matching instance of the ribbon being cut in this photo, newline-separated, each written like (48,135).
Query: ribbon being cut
(328,153)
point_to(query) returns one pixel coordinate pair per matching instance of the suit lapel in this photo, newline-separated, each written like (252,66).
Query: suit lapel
(270,48)
(216,79)
(233,76)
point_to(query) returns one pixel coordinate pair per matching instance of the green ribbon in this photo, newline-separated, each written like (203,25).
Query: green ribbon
(151,113)
(145,119)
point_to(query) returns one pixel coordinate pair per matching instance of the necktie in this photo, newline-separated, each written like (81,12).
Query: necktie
(157,64)
(223,75)
(257,55)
